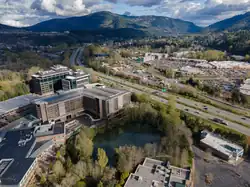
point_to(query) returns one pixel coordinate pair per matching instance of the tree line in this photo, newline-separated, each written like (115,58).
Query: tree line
(76,164)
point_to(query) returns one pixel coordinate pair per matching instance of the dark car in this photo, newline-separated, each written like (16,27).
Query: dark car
(217,120)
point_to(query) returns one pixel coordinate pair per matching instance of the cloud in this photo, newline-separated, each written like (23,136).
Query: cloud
(144,3)
(127,13)
(202,12)
(28,12)
(205,12)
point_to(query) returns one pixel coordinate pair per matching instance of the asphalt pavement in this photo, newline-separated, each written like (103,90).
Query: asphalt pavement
(73,57)
(197,112)
(77,57)
(224,174)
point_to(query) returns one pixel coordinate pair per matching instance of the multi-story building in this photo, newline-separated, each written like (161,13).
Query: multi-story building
(57,78)
(17,168)
(21,151)
(78,79)
(101,103)
(156,173)
(47,82)
(221,147)
(14,108)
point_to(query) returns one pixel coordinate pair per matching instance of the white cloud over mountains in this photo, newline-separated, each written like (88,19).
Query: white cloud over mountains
(28,12)
(202,12)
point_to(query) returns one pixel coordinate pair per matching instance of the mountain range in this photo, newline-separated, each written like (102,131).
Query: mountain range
(146,25)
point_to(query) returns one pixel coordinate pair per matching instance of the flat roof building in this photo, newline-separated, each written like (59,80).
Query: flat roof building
(16,103)
(221,147)
(47,82)
(57,78)
(16,107)
(15,163)
(101,103)
(156,173)
(245,88)
(77,79)
(21,151)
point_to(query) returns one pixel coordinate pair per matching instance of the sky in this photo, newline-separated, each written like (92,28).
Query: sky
(202,12)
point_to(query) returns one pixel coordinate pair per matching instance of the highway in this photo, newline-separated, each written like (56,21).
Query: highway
(197,112)
(76,57)
(73,57)
(199,109)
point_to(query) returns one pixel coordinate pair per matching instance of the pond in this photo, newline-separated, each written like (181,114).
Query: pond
(110,141)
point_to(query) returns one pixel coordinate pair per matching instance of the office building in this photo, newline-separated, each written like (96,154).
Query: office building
(47,82)
(57,78)
(156,173)
(221,147)
(100,103)
(78,79)
(14,108)
(23,151)
(17,168)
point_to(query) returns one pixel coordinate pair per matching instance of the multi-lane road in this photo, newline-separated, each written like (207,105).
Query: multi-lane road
(199,109)
(77,57)
(192,108)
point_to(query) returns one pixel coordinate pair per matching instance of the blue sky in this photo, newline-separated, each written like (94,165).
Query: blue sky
(201,12)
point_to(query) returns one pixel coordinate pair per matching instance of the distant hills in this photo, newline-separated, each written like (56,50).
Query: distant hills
(156,25)
(239,22)
(7,28)
(122,25)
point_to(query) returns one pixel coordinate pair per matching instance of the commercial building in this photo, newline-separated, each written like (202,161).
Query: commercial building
(156,173)
(154,56)
(22,151)
(26,121)
(221,147)
(245,88)
(230,64)
(17,168)
(78,79)
(101,103)
(47,82)
(188,70)
(15,107)
(57,78)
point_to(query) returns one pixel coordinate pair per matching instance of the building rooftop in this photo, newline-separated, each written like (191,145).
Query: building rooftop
(101,93)
(18,150)
(70,77)
(220,144)
(51,128)
(157,173)
(17,102)
(14,152)
(23,122)
(95,85)
(76,75)
(53,70)
(230,64)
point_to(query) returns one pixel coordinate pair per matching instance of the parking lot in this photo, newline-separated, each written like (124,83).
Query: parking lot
(224,175)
